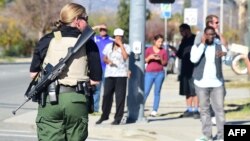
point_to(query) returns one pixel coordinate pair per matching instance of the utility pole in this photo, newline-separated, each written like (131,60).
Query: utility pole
(165,29)
(248,29)
(221,15)
(135,99)
(204,13)
(248,25)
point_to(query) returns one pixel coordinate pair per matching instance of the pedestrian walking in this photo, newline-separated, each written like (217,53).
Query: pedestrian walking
(66,117)
(156,58)
(116,56)
(209,82)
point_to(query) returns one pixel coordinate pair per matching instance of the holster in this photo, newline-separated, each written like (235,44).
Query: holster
(52,90)
(88,90)
(42,99)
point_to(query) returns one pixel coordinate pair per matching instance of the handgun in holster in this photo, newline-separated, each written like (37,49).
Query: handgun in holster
(87,89)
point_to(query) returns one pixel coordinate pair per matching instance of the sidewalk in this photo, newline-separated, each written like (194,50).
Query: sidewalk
(165,127)
(168,126)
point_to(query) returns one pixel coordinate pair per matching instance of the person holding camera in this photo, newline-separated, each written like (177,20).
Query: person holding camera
(66,118)
(156,58)
(186,87)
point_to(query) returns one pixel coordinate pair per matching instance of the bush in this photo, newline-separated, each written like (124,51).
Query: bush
(22,49)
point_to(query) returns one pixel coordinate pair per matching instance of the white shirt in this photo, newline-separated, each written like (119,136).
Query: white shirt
(209,78)
(121,66)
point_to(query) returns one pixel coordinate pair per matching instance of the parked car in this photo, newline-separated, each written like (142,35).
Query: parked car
(173,61)
(235,58)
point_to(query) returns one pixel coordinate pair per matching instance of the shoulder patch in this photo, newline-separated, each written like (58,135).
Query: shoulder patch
(58,35)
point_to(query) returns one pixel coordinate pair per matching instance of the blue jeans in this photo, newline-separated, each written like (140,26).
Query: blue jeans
(157,78)
(215,97)
(97,95)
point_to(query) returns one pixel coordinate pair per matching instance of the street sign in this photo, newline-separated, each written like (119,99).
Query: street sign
(166,11)
(190,16)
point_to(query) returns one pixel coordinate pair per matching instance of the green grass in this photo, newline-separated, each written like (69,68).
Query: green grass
(7,59)
(239,109)
(14,59)
(238,84)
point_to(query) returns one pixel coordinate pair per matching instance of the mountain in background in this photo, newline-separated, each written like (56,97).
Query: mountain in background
(177,7)
(99,5)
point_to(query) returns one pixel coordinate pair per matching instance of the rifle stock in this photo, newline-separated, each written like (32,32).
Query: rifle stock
(57,70)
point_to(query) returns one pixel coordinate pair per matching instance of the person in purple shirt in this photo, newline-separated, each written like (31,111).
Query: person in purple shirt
(101,40)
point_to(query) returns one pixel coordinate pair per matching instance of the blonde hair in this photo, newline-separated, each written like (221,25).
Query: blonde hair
(71,11)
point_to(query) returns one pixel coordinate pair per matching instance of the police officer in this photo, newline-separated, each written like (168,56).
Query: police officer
(67,118)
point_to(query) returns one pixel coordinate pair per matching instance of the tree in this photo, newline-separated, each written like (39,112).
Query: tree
(9,33)
(101,17)
(25,21)
(11,37)
(123,18)
(241,7)
(156,26)
(37,16)
(187,4)
(2,3)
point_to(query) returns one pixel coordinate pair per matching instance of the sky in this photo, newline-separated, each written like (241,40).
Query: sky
(111,5)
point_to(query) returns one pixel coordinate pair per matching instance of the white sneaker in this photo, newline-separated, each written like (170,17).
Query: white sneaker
(213,119)
(153,113)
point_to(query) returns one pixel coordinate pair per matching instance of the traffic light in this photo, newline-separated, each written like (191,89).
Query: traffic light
(162,1)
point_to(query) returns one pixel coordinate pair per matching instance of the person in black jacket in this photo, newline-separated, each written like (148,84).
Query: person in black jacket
(67,118)
(187,67)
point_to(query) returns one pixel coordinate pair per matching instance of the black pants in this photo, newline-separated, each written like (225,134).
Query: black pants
(118,86)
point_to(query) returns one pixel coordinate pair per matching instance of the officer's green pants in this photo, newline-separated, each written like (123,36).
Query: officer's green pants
(65,121)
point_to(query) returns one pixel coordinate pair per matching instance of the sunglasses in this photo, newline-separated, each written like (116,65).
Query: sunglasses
(84,18)
(103,29)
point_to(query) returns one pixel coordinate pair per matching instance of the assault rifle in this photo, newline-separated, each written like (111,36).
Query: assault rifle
(56,70)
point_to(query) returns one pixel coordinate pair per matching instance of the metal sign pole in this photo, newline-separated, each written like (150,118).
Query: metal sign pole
(135,99)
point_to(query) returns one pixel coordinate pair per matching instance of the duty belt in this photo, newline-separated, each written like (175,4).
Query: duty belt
(66,89)
(81,88)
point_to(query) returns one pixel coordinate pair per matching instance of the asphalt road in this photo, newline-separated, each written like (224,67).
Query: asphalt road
(14,80)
